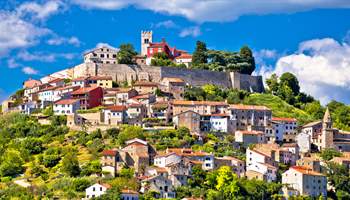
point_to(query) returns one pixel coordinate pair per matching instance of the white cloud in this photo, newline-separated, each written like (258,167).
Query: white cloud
(322,67)
(17,33)
(166,24)
(193,31)
(40,11)
(216,10)
(62,40)
(29,70)
(11,63)
(43,57)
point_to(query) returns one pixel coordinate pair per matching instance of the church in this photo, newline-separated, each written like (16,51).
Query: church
(324,135)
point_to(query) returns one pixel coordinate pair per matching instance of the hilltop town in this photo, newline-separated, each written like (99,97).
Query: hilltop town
(163,123)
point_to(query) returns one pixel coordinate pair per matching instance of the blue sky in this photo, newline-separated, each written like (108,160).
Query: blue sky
(310,39)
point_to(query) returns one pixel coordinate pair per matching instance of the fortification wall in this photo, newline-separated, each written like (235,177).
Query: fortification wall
(198,77)
(195,77)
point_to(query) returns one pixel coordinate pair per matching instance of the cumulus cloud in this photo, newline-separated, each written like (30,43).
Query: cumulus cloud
(43,57)
(193,31)
(17,33)
(29,70)
(214,11)
(322,67)
(166,24)
(40,11)
(62,40)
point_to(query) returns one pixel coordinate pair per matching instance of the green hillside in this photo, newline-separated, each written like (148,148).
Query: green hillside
(279,107)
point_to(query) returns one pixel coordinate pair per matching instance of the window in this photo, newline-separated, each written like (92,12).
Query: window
(93,189)
(114,55)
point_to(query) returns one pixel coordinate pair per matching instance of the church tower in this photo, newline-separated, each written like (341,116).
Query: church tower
(146,39)
(327,134)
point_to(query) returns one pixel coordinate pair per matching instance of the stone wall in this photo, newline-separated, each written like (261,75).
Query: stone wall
(195,77)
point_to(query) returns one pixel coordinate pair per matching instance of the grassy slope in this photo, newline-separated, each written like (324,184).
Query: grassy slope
(279,107)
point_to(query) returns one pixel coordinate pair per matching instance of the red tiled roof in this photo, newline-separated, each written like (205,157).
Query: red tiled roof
(116,108)
(68,87)
(31,83)
(109,152)
(66,101)
(210,103)
(306,170)
(127,191)
(248,107)
(84,90)
(184,56)
(284,119)
(56,80)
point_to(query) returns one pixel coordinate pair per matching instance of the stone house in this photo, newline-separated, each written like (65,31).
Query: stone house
(188,119)
(201,107)
(145,87)
(250,117)
(158,183)
(175,86)
(137,154)
(161,110)
(237,165)
(184,59)
(205,159)
(249,137)
(304,181)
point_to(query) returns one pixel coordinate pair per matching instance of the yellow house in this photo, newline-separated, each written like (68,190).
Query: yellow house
(101,81)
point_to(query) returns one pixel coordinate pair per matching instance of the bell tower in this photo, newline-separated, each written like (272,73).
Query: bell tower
(146,39)
(327,131)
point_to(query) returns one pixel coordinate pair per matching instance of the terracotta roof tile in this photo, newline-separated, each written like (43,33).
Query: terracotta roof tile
(84,90)
(116,108)
(306,170)
(66,101)
(248,107)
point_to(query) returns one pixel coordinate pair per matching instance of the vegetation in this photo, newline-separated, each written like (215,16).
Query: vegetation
(162,59)
(126,54)
(216,60)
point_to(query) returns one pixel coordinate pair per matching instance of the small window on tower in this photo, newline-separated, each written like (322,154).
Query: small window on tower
(146,41)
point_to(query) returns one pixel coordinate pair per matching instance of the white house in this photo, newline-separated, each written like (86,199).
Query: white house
(115,114)
(219,123)
(104,54)
(162,160)
(261,163)
(49,94)
(304,142)
(285,129)
(96,190)
(184,59)
(66,106)
(304,181)
(250,137)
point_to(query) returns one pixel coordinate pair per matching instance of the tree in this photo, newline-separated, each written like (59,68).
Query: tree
(12,163)
(200,54)
(161,59)
(130,132)
(126,54)
(290,80)
(329,153)
(247,55)
(272,84)
(70,164)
